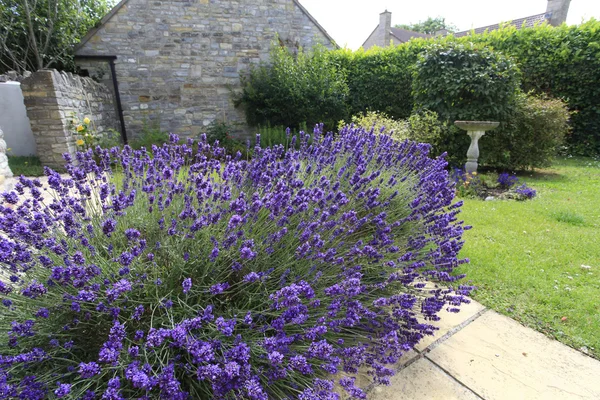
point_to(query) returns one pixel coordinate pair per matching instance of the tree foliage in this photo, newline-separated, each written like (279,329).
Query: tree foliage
(429,26)
(37,34)
(294,89)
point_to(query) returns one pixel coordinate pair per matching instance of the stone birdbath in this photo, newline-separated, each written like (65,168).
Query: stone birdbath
(475,129)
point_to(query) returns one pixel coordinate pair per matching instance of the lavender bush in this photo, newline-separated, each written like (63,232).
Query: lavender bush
(171,275)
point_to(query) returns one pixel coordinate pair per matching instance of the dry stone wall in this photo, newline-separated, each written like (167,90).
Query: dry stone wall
(178,62)
(53,99)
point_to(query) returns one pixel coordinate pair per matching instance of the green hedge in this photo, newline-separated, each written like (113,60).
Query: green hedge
(379,79)
(561,62)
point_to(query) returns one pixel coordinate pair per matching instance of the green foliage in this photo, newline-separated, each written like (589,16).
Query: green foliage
(429,26)
(218,131)
(150,134)
(36,34)
(278,135)
(465,82)
(25,165)
(531,138)
(563,62)
(380,79)
(109,139)
(426,127)
(306,87)
(379,121)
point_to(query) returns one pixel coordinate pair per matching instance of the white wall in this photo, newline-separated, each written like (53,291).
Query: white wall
(14,121)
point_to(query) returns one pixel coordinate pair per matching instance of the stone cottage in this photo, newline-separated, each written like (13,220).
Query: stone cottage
(385,35)
(174,64)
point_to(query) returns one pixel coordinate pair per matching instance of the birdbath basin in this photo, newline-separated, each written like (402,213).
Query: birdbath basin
(475,129)
(477,125)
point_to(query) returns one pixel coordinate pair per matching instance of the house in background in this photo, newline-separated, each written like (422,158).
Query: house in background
(385,34)
(555,15)
(175,64)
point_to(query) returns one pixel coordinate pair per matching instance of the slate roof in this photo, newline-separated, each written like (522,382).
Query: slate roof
(526,22)
(404,35)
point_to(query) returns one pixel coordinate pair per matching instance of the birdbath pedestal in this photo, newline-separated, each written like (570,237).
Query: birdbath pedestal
(475,129)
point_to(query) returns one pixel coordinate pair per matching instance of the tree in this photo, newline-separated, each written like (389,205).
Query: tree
(37,34)
(430,26)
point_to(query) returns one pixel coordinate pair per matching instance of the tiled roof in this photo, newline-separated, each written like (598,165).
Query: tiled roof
(404,36)
(519,23)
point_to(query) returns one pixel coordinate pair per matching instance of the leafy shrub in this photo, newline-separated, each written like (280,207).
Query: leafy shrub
(150,135)
(293,89)
(218,131)
(380,123)
(559,62)
(176,276)
(426,127)
(532,136)
(465,82)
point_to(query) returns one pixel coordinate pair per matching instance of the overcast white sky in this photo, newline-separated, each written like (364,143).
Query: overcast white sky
(350,22)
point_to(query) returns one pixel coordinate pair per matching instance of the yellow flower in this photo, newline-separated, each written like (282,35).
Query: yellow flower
(79,142)
(472,173)
(80,128)
(86,120)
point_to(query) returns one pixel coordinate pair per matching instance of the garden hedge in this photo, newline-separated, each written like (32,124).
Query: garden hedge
(561,62)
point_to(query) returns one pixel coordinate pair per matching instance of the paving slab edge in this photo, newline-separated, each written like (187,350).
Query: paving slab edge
(423,354)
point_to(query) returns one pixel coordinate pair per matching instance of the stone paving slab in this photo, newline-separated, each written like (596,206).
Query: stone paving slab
(422,380)
(450,321)
(499,359)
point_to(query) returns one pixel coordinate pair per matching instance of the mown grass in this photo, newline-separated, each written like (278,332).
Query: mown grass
(25,165)
(530,260)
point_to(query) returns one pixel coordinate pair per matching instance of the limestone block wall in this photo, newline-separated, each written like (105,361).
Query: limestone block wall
(53,99)
(178,62)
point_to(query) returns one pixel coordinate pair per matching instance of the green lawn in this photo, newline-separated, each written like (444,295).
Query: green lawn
(527,257)
(25,165)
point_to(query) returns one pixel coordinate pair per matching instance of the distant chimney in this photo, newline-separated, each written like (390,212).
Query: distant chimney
(385,27)
(557,11)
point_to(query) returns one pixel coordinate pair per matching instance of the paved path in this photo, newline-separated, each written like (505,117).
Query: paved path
(479,354)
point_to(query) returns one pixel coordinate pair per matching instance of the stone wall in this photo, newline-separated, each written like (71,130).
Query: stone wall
(178,62)
(53,99)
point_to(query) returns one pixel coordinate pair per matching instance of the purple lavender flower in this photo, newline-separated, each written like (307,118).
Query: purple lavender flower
(335,228)
(187,285)
(88,370)
(219,288)
(63,390)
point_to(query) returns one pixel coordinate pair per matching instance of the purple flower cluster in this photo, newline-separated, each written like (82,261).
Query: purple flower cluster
(525,191)
(305,263)
(507,181)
